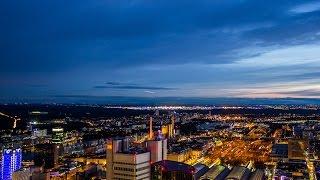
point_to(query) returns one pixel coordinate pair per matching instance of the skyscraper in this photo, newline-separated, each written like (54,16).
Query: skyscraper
(11,161)
(150,129)
(171,127)
(57,135)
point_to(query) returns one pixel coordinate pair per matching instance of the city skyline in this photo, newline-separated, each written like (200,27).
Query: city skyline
(153,49)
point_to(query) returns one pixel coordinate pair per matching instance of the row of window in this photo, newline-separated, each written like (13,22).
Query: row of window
(144,177)
(130,169)
(130,163)
(129,175)
(123,169)
(143,168)
(118,174)
(121,179)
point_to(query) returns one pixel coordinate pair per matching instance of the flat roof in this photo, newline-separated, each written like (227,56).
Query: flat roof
(216,171)
(279,150)
(238,172)
(175,166)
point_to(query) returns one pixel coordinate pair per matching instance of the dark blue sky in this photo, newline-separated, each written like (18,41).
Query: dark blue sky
(159,48)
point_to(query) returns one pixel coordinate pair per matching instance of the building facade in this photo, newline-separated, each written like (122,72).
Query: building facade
(158,149)
(124,163)
(11,162)
(57,135)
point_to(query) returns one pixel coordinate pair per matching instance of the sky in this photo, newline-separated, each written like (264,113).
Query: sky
(159,48)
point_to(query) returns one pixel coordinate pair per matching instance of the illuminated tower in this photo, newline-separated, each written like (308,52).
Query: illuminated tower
(57,135)
(171,127)
(150,129)
(11,161)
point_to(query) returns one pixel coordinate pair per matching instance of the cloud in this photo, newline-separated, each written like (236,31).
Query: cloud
(181,100)
(61,36)
(207,48)
(285,56)
(113,83)
(150,92)
(128,86)
(260,93)
(135,87)
(306,8)
(304,93)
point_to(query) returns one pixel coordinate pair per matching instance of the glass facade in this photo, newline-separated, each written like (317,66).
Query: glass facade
(11,161)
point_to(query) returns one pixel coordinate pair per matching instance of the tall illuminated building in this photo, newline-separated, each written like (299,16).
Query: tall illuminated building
(165,130)
(11,161)
(57,135)
(171,127)
(150,129)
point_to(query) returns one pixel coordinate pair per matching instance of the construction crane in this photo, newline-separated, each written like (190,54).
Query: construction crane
(13,118)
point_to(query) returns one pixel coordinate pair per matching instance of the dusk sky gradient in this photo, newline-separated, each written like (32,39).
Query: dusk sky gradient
(159,48)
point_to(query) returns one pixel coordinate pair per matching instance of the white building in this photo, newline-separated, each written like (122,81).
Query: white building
(158,149)
(131,166)
(123,163)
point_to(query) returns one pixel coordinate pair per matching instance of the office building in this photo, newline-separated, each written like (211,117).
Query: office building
(57,135)
(11,161)
(126,163)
